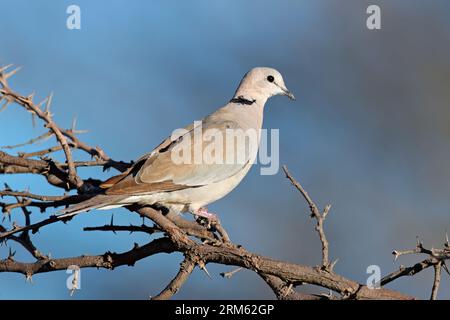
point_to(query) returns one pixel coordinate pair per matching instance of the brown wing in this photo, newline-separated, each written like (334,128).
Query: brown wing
(157,172)
(113,180)
(129,186)
(125,182)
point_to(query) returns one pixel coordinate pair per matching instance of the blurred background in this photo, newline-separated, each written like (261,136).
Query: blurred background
(369,132)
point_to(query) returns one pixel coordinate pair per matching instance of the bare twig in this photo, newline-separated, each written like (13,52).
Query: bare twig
(437,280)
(33,227)
(130,228)
(28,104)
(186,268)
(229,274)
(40,152)
(435,257)
(26,194)
(25,241)
(42,137)
(320,218)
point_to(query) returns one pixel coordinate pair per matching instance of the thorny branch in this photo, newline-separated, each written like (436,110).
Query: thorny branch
(320,218)
(46,116)
(200,244)
(436,259)
(186,268)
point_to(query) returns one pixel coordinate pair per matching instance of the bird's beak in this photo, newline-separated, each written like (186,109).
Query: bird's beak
(289,94)
(286,92)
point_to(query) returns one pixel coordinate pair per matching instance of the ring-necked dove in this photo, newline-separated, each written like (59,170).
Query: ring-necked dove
(156,179)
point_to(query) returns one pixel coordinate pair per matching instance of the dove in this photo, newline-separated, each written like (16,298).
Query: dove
(160,179)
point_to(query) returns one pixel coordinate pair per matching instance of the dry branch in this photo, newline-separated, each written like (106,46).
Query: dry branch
(200,244)
(436,259)
(320,218)
(186,268)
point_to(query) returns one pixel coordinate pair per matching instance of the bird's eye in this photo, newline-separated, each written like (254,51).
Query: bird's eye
(270,78)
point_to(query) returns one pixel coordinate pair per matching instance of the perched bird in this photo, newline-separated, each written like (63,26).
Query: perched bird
(156,179)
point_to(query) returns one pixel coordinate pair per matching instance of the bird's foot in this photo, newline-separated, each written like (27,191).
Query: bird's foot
(211,217)
(213,221)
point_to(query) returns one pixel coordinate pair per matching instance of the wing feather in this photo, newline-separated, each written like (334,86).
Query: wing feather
(158,172)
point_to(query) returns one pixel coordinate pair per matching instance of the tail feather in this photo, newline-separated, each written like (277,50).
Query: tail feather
(95,202)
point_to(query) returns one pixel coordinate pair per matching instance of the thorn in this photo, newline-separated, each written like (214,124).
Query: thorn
(229,274)
(288,290)
(31,96)
(49,102)
(419,243)
(80,131)
(331,267)
(444,266)
(2,69)
(446,244)
(112,220)
(40,104)
(326,211)
(5,105)
(11,254)
(74,123)
(202,266)
(396,254)
(10,74)
(33,120)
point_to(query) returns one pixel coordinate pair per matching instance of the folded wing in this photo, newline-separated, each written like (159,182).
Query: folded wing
(162,171)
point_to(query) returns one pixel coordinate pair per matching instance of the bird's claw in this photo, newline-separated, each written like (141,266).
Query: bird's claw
(211,218)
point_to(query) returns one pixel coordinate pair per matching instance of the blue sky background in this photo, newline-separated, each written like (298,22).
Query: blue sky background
(368,133)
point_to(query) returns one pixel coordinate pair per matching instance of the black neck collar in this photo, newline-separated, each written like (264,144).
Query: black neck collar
(242,100)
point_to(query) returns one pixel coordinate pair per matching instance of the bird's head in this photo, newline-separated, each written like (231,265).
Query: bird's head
(262,83)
